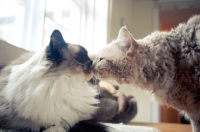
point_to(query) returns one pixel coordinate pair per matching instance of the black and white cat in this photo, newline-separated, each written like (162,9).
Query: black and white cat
(48,89)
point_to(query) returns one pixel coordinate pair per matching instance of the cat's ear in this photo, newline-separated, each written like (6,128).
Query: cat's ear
(54,51)
(125,36)
(57,40)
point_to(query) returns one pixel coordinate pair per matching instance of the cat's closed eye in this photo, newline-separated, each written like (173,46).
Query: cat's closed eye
(100,59)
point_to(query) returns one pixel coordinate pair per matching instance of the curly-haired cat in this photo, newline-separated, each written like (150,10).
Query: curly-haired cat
(166,63)
(48,90)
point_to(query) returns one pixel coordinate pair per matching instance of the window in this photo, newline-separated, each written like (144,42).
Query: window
(11,21)
(22,22)
(29,23)
(64,15)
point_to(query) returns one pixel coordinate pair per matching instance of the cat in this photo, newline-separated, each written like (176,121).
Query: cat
(165,63)
(47,90)
(114,106)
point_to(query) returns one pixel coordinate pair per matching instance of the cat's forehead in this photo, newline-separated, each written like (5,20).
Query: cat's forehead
(111,51)
(105,53)
(77,49)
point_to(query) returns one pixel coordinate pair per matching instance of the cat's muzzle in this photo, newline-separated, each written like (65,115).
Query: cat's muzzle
(89,67)
(88,70)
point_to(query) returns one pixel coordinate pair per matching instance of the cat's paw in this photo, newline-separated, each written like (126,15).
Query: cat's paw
(55,129)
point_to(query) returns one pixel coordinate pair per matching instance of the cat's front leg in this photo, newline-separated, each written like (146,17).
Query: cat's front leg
(195,126)
(55,129)
(195,122)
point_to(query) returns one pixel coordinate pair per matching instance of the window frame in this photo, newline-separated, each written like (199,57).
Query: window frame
(32,37)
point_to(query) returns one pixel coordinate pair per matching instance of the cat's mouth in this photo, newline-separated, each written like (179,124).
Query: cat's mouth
(88,70)
(98,75)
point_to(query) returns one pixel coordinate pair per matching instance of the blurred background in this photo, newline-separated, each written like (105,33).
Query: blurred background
(26,25)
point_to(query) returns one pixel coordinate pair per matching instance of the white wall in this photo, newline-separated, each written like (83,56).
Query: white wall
(138,16)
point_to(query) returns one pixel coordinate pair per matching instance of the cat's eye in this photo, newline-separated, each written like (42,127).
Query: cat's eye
(100,59)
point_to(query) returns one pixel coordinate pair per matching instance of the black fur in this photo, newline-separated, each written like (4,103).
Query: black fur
(55,47)
(83,58)
(89,126)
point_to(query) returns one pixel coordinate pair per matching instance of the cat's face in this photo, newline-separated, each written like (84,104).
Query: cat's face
(112,62)
(68,58)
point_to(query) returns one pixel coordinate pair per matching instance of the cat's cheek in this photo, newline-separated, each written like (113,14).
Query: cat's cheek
(96,74)
(98,71)
(100,75)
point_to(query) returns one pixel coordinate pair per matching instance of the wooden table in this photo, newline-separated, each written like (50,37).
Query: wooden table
(166,127)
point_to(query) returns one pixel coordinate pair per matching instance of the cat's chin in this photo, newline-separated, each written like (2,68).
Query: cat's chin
(88,75)
(120,81)
(88,71)
(102,78)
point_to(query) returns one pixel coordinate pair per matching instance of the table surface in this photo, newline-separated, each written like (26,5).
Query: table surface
(166,127)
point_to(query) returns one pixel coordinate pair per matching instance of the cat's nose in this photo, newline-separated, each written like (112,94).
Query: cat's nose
(116,87)
(90,62)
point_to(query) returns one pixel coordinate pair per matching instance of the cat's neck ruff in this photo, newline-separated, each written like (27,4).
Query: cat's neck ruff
(49,99)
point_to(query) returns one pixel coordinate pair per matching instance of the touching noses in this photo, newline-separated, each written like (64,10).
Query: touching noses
(89,63)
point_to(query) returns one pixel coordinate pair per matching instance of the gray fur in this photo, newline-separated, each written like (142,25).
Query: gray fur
(166,63)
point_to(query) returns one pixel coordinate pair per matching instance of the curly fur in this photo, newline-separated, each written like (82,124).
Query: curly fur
(166,63)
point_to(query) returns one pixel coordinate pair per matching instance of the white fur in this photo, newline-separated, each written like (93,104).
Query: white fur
(48,98)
